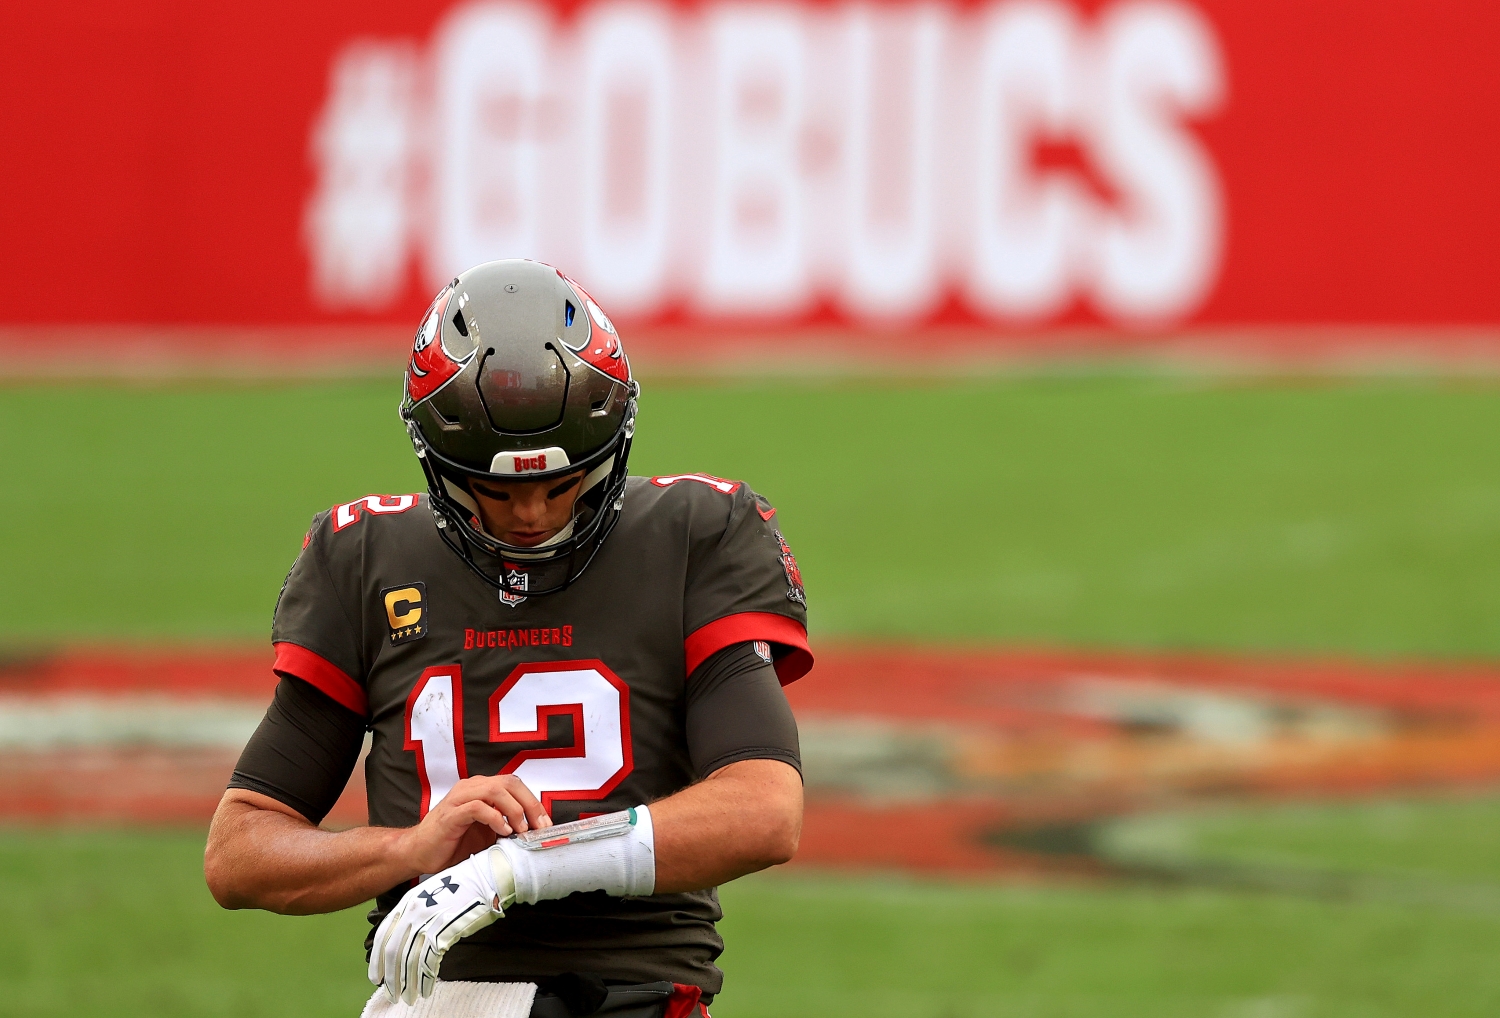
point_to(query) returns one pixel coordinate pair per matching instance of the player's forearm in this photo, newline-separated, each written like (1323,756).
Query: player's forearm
(742,818)
(262,858)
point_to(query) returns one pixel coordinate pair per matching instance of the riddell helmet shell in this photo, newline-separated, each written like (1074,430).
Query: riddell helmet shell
(517,374)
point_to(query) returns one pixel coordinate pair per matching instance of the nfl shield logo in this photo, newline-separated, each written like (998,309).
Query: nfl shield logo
(515,580)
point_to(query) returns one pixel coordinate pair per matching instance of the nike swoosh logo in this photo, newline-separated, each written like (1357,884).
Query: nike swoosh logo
(766,515)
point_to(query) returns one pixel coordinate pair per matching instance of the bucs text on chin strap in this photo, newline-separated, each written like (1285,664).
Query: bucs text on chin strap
(614,853)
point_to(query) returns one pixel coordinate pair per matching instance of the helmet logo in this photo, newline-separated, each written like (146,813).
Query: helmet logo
(600,318)
(602,351)
(426,333)
(525,461)
(515,579)
(431,367)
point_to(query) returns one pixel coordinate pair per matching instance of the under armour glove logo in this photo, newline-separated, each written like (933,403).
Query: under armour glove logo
(430,897)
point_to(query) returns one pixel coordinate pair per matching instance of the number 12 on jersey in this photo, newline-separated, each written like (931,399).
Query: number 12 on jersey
(519,710)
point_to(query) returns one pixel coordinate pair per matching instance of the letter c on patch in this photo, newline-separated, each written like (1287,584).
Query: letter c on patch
(403,607)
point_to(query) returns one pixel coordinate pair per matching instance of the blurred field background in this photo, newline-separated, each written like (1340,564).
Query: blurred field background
(1349,518)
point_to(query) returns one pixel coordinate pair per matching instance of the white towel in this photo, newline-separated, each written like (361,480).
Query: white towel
(459,1000)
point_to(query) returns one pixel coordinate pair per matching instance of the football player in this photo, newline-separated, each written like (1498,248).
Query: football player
(538,639)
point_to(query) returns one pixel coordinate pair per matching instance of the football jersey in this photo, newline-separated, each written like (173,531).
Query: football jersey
(580,693)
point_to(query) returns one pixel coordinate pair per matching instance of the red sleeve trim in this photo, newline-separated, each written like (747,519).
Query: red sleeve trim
(323,674)
(796,662)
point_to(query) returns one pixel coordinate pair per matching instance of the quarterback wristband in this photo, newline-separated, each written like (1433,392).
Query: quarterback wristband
(615,854)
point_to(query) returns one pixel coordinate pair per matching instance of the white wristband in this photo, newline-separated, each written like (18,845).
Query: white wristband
(619,865)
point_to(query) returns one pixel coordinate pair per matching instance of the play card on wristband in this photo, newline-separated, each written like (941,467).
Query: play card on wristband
(606,825)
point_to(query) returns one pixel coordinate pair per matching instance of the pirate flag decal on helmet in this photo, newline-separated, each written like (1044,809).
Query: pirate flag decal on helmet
(432,367)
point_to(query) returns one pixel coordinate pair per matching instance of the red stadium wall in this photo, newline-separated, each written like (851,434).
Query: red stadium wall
(1017,164)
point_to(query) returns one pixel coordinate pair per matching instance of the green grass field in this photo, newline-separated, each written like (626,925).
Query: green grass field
(1113,510)
(130,930)
(1450,841)
(1146,511)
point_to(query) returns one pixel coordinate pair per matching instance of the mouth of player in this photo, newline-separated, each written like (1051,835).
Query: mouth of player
(528,538)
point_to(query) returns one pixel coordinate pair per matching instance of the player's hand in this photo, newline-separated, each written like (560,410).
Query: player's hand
(473,814)
(435,915)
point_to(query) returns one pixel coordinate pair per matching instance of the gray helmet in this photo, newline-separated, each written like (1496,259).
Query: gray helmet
(517,374)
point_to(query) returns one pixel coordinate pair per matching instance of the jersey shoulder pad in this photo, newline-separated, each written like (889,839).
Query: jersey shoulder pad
(703,498)
(370,507)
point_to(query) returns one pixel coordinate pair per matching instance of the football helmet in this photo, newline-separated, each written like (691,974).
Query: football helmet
(517,374)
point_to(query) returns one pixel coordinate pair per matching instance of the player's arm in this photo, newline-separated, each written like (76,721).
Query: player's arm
(743,818)
(265,849)
(746,813)
(263,854)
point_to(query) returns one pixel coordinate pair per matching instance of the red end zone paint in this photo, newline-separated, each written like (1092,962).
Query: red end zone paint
(970,747)
(240,673)
(964,747)
(993,686)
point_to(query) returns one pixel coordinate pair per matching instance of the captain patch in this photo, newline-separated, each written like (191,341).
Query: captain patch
(406,611)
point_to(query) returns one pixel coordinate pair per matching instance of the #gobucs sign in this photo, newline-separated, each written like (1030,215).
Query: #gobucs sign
(432,367)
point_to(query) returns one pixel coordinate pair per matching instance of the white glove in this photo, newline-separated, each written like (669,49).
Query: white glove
(435,915)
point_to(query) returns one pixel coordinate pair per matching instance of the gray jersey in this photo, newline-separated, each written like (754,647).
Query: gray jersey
(578,693)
